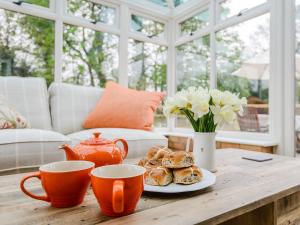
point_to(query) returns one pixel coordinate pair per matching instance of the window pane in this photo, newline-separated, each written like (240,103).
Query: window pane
(243,67)
(90,57)
(148,70)
(91,11)
(44,3)
(229,8)
(148,27)
(192,68)
(26,46)
(195,23)
(160,2)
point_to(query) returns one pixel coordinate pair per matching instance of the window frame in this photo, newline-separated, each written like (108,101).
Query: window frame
(281,32)
(217,25)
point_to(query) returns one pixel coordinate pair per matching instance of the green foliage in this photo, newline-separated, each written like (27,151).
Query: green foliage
(27,42)
(149,27)
(44,3)
(41,32)
(195,23)
(234,84)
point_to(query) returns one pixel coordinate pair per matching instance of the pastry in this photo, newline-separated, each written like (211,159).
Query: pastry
(142,162)
(158,176)
(156,154)
(178,159)
(189,175)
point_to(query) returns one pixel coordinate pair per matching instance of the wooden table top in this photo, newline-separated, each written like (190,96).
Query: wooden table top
(241,186)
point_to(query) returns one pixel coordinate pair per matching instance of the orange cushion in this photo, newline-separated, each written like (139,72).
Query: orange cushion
(124,108)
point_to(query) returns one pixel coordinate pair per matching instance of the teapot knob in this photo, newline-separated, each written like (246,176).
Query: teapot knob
(96,134)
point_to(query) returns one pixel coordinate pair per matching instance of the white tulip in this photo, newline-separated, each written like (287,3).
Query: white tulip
(224,105)
(223,115)
(200,109)
(180,99)
(216,96)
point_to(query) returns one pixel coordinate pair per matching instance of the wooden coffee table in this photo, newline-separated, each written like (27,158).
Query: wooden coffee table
(246,193)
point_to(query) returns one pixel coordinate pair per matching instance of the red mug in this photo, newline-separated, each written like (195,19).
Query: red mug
(65,182)
(118,188)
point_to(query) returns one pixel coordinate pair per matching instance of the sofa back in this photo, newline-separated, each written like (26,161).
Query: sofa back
(70,105)
(29,96)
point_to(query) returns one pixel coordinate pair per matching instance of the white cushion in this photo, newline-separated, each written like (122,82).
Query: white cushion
(139,141)
(21,148)
(29,97)
(70,105)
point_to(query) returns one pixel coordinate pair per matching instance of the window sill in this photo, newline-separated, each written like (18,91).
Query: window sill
(221,138)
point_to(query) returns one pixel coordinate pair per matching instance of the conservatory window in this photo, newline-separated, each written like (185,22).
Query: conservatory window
(92,11)
(243,66)
(26,45)
(192,68)
(90,57)
(147,70)
(229,8)
(148,27)
(195,23)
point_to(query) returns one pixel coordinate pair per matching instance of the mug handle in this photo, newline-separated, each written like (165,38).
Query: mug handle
(118,196)
(125,146)
(37,175)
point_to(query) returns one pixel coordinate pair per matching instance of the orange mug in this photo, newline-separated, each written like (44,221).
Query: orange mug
(118,188)
(65,182)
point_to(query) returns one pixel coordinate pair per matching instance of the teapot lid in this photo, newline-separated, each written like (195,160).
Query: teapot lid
(96,140)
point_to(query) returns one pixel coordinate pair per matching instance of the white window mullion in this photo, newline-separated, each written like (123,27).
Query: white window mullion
(52,5)
(276,108)
(59,7)
(141,37)
(289,78)
(171,66)
(124,19)
(212,22)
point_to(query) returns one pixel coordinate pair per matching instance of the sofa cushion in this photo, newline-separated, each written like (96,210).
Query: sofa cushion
(70,105)
(124,107)
(29,97)
(21,148)
(139,141)
(9,117)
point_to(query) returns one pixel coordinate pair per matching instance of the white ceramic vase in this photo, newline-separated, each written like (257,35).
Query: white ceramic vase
(204,150)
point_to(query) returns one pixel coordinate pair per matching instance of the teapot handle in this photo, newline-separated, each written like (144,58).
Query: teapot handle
(125,146)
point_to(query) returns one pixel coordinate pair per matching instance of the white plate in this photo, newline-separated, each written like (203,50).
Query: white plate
(207,180)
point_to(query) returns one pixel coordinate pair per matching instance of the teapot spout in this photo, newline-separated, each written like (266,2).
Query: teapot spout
(70,154)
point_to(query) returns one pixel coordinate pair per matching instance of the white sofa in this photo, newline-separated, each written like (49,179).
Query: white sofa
(56,116)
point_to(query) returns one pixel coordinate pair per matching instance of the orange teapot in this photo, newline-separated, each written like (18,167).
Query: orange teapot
(97,150)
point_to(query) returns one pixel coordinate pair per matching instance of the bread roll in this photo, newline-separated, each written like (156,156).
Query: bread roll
(156,154)
(158,176)
(189,175)
(145,163)
(178,159)
(142,162)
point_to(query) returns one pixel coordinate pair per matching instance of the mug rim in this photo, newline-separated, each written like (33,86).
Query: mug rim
(87,165)
(95,170)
